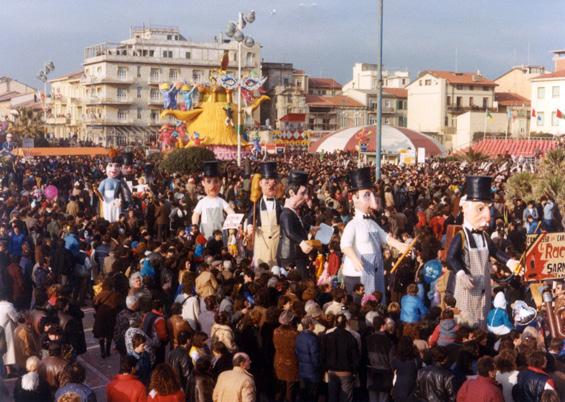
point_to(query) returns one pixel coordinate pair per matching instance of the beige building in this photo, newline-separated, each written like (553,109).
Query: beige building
(364,77)
(436,98)
(394,105)
(517,80)
(65,118)
(330,113)
(120,96)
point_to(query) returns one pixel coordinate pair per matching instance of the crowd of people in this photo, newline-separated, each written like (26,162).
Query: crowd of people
(197,318)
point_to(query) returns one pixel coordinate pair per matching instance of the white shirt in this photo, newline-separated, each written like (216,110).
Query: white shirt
(269,205)
(356,235)
(209,203)
(478,237)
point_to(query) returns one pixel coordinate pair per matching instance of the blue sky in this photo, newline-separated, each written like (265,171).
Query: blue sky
(324,37)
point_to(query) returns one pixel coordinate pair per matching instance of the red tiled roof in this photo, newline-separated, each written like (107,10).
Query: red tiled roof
(9,95)
(460,78)
(328,83)
(556,74)
(299,117)
(331,101)
(514,147)
(510,99)
(397,92)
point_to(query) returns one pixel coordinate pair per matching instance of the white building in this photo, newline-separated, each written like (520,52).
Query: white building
(436,98)
(121,96)
(365,78)
(548,100)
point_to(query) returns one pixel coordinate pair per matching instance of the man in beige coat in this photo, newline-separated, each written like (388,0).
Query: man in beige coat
(236,385)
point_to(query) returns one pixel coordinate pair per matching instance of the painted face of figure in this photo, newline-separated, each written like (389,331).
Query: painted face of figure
(211,186)
(112,170)
(476,214)
(268,187)
(300,197)
(364,200)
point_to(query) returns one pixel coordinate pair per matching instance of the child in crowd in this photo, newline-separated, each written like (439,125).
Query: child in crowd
(498,321)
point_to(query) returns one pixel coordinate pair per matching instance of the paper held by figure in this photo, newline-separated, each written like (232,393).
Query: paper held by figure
(324,234)
(232,221)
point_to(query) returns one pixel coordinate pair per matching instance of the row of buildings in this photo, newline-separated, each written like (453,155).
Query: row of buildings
(115,97)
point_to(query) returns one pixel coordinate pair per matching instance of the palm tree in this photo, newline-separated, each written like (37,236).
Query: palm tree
(28,123)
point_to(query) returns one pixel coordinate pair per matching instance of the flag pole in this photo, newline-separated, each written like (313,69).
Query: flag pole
(485,126)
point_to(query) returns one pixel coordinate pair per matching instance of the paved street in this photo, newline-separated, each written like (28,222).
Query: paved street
(98,371)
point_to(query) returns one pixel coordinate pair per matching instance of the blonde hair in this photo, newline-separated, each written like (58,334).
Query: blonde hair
(32,363)
(69,397)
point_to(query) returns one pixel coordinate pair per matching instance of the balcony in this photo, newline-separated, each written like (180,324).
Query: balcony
(154,80)
(462,109)
(105,121)
(60,119)
(92,80)
(108,101)
(155,102)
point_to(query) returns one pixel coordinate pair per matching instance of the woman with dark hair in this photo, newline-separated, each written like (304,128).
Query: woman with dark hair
(405,363)
(222,359)
(106,303)
(286,363)
(72,379)
(164,386)
(222,332)
(202,382)
(199,347)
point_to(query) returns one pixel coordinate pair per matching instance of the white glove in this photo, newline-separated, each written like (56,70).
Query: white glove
(464,280)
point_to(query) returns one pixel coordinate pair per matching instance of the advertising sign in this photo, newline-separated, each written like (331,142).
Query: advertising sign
(545,257)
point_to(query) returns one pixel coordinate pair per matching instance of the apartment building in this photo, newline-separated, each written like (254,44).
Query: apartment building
(517,80)
(436,98)
(364,77)
(122,99)
(66,108)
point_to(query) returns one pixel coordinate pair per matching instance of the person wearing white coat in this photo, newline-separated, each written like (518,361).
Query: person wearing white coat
(8,321)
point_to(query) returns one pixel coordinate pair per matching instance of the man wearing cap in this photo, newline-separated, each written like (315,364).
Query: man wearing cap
(263,218)
(363,238)
(209,212)
(469,253)
(293,249)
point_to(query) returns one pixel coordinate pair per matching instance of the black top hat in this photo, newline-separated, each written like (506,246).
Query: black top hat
(478,188)
(116,159)
(127,159)
(298,177)
(211,169)
(269,170)
(361,179)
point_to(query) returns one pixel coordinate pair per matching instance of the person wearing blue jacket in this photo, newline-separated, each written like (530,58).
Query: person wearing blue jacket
(412,308)
(307,350)
(498,321)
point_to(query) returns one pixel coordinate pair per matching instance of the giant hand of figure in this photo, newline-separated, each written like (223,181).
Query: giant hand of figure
(465,280)
(249,230)
(305,247)
(514,266)
(358,265)
(117,202)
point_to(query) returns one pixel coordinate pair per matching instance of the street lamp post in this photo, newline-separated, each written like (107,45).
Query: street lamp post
(379,128)
(235,31)
(42,76)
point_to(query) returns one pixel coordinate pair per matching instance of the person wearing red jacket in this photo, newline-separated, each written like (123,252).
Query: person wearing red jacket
(483,388)
(126,386)
(155,325)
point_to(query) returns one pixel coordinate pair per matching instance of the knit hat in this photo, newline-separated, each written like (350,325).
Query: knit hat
(286,317)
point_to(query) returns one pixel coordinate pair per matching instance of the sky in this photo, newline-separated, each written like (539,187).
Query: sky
(323,37)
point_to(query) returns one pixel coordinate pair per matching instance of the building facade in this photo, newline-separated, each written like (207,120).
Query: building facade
(120,95)
(364,77)
(548,103)
(436,98)
(517,80)
(65,117)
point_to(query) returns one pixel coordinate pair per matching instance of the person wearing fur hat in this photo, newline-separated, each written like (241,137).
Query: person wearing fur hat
(363,238)
(469,252)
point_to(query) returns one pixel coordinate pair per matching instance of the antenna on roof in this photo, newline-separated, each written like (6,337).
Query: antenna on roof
(456,60)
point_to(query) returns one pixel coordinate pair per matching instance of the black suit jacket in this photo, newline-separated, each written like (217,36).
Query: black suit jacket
(261,206)
(292,234)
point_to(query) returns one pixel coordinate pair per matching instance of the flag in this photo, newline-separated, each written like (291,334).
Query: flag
(489,116)
(533,112)
(509,114)
(559,114)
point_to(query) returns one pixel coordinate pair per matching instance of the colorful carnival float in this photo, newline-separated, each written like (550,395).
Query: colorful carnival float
(212,120)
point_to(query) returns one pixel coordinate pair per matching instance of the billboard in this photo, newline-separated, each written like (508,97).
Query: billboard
(545,257)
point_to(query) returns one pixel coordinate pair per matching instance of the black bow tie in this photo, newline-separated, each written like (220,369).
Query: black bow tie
(475,231)
(269,199)
(367,216)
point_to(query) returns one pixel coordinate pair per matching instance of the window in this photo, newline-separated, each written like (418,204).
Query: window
(446,121)
(449,101)
(176,37)
(196,75)
(153,116)
(541,92)
(138,92)
(485,103)
(173,74)
(420,83)
(122,73)
(122,93)
(138,113)
(154,94)
(554,119)
(486,89)
(459,86)
(151,53)
(428,82)
(540,118)
(122,114)
(169,37)
(555,92)
(458,100)
(250,59)
(138,71)
(154,75)
(168,54)
(471,101)
(387,104)
(187,55)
